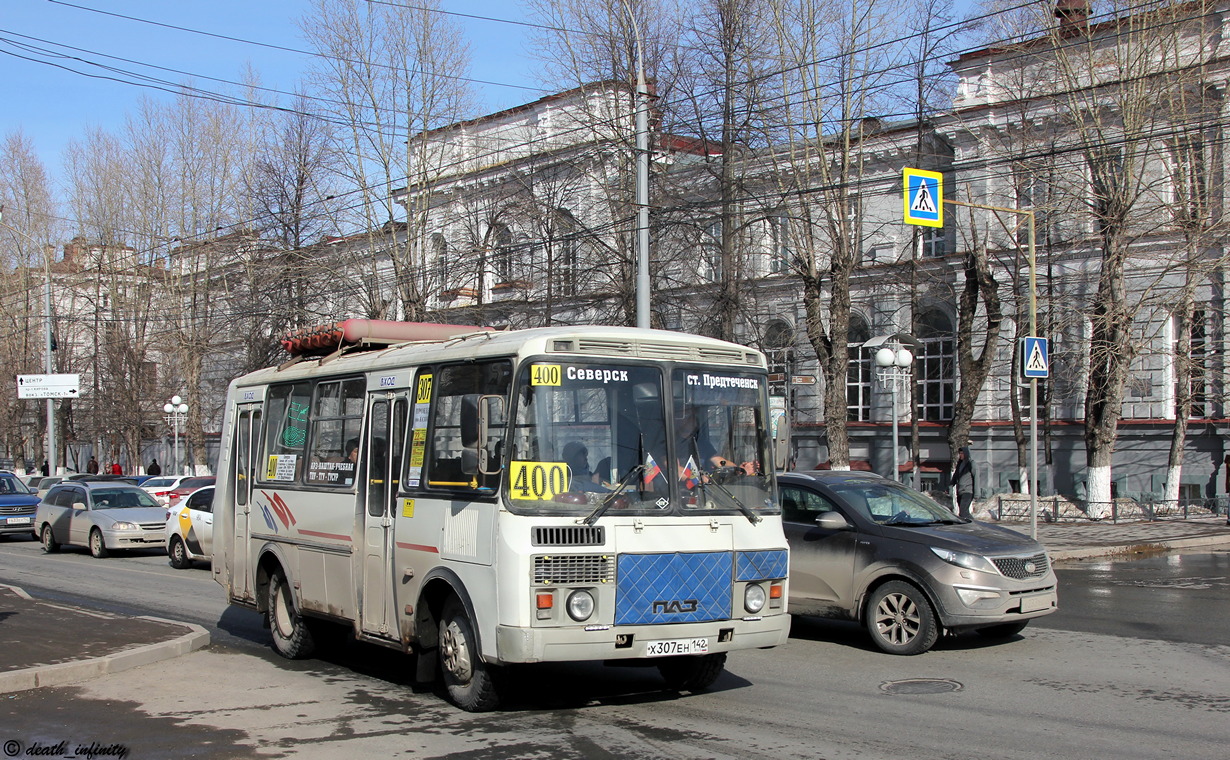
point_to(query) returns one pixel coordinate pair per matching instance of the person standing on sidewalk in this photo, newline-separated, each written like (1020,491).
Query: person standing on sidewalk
(963,479)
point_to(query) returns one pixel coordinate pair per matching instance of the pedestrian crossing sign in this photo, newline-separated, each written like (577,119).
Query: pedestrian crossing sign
(924,197)
(1034,360)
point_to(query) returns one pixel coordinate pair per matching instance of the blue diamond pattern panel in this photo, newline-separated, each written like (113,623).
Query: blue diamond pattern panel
(673,588)
(760,566)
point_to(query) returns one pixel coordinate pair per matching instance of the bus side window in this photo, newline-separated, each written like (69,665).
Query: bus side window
(286,429)
(451,386)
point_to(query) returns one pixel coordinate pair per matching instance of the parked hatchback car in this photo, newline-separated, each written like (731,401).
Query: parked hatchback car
(190,528)
(17,505)
(102,515)
(866,548)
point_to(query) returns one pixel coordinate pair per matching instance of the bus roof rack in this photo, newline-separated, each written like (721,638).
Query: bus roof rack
(367,334)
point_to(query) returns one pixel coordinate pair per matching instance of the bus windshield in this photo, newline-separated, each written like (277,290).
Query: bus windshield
(593,435)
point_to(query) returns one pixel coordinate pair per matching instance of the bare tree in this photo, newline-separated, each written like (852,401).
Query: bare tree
(395,71)
(28,228)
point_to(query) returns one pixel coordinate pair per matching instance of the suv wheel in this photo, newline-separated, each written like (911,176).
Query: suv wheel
(900,619)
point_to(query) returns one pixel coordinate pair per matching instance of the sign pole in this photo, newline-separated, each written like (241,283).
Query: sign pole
(1033,388)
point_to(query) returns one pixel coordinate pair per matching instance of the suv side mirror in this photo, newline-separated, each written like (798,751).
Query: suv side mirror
(833,521)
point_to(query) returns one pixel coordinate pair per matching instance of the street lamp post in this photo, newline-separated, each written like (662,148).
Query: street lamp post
(894,368)
(176,412)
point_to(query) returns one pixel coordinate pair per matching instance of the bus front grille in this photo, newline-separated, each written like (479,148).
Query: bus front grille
(574,568)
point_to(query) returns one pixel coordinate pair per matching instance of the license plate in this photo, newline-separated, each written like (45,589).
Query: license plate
(676,646)
(1037,602)
(20,520)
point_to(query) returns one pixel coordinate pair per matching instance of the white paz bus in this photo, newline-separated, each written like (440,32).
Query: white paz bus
(484,498)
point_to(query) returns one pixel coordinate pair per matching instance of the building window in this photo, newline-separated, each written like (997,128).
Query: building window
(781,255)
(778,346)
(500,241)
(567,253)
(1198,357)
(858,372)
(935,366)
(878,254)
(1191,182)
(711,247)
(934,243)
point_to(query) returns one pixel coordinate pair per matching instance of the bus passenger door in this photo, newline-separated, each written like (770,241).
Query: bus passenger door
(247,428)
(385,436)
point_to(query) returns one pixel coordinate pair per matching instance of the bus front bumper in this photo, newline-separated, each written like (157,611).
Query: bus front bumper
(575,643)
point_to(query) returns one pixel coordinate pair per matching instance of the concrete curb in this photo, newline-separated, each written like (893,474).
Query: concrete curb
(80,670)
(1141,547)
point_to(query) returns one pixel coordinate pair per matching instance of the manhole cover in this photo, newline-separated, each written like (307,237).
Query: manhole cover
(921,686)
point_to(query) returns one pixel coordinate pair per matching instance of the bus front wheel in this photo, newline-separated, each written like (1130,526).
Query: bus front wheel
(470,681)
(692,672)
(291,637)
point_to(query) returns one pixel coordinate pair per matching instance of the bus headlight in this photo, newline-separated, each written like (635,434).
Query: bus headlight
(754,598)
(580,605)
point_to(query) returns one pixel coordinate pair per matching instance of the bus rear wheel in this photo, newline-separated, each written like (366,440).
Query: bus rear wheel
(470,681)
(291,637)
(692,672)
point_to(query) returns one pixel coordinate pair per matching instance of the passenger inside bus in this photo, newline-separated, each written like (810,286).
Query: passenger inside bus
(576,456)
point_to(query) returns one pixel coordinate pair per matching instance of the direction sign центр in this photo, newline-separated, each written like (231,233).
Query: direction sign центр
(48,386)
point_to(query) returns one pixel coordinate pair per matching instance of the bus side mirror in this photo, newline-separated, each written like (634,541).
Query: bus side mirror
(482,433)
(781,444)
(490,433)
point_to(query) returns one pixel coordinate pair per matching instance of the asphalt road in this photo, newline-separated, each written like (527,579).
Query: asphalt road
(1057,691)
(1175,596)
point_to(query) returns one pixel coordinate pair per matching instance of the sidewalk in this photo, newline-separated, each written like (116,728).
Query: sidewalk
(51,644)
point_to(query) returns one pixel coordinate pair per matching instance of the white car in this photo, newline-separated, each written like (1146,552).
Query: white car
(160,487)
(190,528)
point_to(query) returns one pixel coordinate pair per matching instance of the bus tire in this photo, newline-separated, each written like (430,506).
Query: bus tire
(291,637)
(692,672)
(470,681)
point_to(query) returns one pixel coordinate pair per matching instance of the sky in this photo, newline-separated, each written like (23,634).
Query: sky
(55,101)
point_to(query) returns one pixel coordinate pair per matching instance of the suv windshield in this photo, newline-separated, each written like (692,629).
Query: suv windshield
(889,503)
(10,484)
(584,433)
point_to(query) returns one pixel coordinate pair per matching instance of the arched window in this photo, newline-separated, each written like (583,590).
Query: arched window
(858,371)
(935,365)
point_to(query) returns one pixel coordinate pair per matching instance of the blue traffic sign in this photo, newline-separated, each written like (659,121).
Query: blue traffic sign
(1035,361)
(924,197)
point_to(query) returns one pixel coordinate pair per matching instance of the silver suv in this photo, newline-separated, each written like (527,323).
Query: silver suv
(865,548)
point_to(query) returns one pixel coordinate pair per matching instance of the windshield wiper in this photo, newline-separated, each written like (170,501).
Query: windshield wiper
(620,487)
(751,516)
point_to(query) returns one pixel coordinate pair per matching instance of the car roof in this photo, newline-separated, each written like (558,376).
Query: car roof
(94,485)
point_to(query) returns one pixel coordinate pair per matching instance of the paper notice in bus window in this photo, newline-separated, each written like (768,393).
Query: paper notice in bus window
(281,467)
(545,374)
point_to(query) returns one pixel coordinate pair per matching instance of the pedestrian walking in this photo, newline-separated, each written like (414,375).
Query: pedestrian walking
(154,468)
(116,469)
(46,468)
(92,466)
(963,479)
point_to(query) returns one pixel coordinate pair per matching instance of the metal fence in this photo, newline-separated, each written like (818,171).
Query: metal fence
(1063,509)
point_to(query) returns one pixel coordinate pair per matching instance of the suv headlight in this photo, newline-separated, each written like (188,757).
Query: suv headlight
(963,559)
